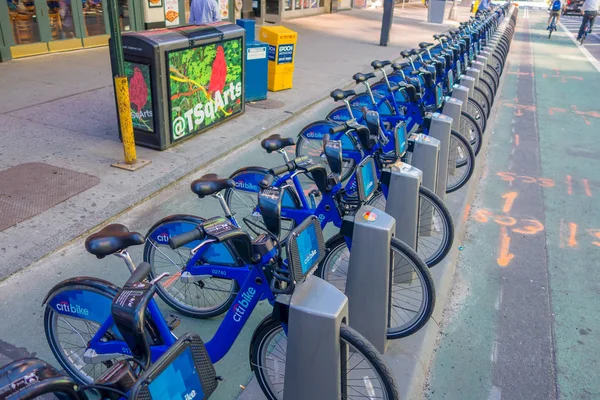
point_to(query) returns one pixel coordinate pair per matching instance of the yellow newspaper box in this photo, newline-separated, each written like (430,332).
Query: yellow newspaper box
(281,51)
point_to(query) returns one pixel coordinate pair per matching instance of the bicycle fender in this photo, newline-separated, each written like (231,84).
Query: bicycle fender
(186,217)
(94,283)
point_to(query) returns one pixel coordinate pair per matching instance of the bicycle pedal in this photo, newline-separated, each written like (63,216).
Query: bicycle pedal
(173,321)
(315,192)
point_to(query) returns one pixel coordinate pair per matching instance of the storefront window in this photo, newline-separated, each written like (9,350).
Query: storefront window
(288,5)
(61,19)
(297,5)
(93,15)
(314,3)
(124,15)
(24,21)
(321,3)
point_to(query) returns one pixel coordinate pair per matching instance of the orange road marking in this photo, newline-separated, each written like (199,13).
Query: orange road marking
(506,176)
(510,199)
(516,140)
(171,280)
(527,179)
(532,227)
(572,234)
(482,215)
(546,182)
(596,234)
(586,186)
(467,210)
(569,185)
(505,256)
(504,220)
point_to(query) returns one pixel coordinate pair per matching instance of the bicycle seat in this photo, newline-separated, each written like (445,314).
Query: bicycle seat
(397,66)
(359,78)
(405,53)
(276,142)
(424,45)
(380,64)
(210,184)
(340,94)
(111,239)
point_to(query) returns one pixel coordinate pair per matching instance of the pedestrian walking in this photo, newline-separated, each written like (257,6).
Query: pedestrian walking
(204,12)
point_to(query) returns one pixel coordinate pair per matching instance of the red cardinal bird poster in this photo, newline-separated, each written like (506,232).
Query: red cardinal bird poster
(140,96)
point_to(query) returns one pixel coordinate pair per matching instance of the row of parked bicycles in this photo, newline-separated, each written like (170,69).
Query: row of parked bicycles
(114,342)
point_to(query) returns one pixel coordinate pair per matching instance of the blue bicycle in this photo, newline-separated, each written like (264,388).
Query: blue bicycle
(85,340)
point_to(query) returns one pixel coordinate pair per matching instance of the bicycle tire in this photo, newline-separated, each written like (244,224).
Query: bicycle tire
(470,130)
(270,329)
(475,110)
(409,261)
(549,33)
(480,96)
(493,76)
(68,362)
(207,289)
(489,86)
(430,206)
(460,146)
(303,148)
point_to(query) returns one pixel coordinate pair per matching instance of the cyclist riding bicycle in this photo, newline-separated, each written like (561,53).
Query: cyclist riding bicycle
(589,9)
(554,11)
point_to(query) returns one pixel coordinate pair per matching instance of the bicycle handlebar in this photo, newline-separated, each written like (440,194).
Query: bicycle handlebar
(180,240)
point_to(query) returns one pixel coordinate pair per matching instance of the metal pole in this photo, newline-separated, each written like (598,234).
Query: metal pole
(121,85)
(386,22)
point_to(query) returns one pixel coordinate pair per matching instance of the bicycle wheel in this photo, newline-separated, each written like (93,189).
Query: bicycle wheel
(314,149)
(205,298)
(243,203)
(367,376)
(491,72)
(471,131)
(413,292)
(480,96)
(68,338)
(550,32)
(435,233)
(475,110)
(461,162)
(486,87)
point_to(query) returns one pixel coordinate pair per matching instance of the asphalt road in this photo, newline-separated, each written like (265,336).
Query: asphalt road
(522,319)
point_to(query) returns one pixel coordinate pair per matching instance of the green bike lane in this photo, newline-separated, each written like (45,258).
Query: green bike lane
(522,319)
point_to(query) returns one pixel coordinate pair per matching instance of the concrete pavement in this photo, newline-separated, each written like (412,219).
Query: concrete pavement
(522,320)
(58,109)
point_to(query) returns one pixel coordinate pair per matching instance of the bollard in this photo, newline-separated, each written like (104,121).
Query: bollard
(483,60)
(368,282)
(316,312)
(440,128)
(426,154)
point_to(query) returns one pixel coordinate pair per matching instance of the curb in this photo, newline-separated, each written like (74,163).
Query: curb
(410,359)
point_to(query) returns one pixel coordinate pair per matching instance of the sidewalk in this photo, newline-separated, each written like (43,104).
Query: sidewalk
(59,110)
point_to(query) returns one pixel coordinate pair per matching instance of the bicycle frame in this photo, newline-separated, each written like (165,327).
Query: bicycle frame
(254,287)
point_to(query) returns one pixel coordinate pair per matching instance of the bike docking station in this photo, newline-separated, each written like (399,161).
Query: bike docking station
(313,312)
(469,82)
(368,277)
(439,130)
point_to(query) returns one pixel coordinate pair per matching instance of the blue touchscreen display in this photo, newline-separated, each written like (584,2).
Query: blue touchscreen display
(308,248)
(179,381)
(368,179)
(400,139)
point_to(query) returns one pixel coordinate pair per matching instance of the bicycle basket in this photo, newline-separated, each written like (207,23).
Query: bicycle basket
(183,372)
(306,248)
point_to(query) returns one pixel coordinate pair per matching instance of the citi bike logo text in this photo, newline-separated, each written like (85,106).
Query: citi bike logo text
(310,256)
(72,308)
(246,186)
(163,237)
(240,308)
(369,185)
(315,135)
(190,395)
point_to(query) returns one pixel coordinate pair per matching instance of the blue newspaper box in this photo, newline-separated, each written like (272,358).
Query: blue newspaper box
(257,63)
